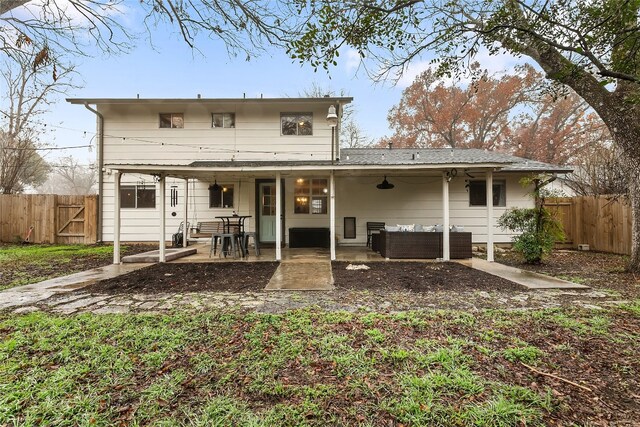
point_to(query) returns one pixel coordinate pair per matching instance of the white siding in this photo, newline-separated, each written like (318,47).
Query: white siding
(140,225)
(133,135)
(414,200)
(418,200)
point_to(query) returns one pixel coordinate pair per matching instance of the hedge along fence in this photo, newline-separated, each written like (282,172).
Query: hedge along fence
(602,222)
(54,218)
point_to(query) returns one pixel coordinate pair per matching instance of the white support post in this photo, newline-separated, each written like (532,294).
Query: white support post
(161,251)
(185,227)
(332,215)
(116,217)
(489,215)
(446,253)
(278,219)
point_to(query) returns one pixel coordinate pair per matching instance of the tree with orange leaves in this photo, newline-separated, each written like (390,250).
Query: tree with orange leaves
(555,130)
(509,114)
(432,113)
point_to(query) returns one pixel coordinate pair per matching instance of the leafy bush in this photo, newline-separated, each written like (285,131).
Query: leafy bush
(538,228)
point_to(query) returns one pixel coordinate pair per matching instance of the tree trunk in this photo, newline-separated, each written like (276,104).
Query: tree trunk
(623,120)
(619,110)
(633,182)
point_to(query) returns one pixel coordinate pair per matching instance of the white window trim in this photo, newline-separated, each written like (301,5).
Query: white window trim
(223,124)
(297,126)
(310,195)
(502,182)
(172,114)
(232,185)
(135,196)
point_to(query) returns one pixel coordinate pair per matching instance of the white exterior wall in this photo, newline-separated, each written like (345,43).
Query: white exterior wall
(418,200)
(141,225)
(414,200)
(133,135)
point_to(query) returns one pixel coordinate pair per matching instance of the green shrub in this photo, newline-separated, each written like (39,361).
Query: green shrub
(539,229)
(537,236)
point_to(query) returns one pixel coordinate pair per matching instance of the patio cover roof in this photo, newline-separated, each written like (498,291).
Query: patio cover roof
(361,160)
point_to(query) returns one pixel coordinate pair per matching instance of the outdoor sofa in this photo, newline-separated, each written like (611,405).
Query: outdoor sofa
(423,244)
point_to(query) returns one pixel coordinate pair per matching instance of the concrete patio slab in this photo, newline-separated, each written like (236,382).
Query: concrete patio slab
(154,256)
(302,275)
(35,292)
(525,278)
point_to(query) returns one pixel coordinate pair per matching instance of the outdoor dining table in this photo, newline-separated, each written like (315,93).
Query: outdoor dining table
(235,221)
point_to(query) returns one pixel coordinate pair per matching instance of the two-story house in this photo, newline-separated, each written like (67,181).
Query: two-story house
(165,161)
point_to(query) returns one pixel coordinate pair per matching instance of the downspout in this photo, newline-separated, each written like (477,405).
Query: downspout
(100,165)
(337,137)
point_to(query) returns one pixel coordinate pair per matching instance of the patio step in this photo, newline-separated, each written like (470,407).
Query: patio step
(153,256)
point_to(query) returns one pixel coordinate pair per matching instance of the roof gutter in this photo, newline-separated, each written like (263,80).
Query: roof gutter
(187,169)
(100,167)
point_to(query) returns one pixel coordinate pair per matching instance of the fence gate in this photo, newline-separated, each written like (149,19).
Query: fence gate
(563,210)
(70,227)
(54,218)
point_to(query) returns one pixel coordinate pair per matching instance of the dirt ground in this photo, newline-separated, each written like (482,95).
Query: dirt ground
(418,277)
(189,277)
(598,270)
(242,277)
(595,348)
(596,351)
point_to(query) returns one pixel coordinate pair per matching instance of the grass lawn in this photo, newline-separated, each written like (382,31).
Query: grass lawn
(25,264)
(316,368)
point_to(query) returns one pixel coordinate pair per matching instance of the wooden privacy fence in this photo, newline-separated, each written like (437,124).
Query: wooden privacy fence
(54,218)
(602,222)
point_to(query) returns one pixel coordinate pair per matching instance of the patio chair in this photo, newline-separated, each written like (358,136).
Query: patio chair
(372,228)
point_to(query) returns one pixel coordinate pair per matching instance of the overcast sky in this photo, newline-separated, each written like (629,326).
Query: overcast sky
(170,69)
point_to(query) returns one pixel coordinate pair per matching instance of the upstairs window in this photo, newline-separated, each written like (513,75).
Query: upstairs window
(221,196)
(137,196)
(478,193)
(171,120)
(223,120)
(296,123)
(310,196)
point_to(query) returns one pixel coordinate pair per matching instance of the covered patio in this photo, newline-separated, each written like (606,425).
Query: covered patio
(339,192)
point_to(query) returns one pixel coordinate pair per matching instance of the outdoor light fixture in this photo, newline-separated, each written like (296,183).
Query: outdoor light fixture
(332,117)
(332,120)
(385,185)
(215,186)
